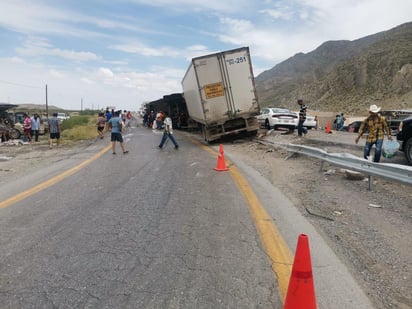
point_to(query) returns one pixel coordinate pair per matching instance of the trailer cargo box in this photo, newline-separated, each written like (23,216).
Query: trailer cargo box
(220,94)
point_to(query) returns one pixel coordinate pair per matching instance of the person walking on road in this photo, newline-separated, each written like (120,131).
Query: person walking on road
(54,129)
(302,117)
(101,124)
(168,131)
(377,127)
(115,124)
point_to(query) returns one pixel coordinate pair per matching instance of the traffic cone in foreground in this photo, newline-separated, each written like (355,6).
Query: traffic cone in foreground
(328,129)
(221,164)
(301,290)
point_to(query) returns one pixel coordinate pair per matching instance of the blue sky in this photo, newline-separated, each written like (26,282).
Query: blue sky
(98,53)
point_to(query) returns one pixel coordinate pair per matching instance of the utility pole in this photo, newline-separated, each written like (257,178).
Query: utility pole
(47,104)
(81,105)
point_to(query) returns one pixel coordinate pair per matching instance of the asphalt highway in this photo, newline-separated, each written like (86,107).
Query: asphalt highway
(156,228)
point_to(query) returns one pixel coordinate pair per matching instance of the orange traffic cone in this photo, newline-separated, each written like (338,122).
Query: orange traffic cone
(301,290)
(221,164)
(328,129)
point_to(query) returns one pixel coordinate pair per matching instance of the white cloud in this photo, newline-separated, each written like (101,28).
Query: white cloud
(105,73)
(56,74)
(126,55)
(199,5)
(353,19)
(144,50)
(36,46)
(87,81)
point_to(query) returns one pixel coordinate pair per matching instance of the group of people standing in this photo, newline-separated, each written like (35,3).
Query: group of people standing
(31,127)
(113,122)
(339,121)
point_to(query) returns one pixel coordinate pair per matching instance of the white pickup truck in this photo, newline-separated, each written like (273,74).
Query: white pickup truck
(62,116)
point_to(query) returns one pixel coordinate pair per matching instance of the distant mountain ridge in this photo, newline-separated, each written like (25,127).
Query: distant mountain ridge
(345,76)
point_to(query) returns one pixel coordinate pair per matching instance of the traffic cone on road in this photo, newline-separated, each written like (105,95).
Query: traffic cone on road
(328,129)
(221,164)
(301,290)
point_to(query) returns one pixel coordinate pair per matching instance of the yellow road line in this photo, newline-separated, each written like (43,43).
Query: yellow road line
(275,246)
(51,181)
(273,242)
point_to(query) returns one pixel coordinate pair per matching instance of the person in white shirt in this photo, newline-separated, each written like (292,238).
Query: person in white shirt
(168,132)
(35,126)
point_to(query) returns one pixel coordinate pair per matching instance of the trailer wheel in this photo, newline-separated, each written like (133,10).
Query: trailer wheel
(15,133)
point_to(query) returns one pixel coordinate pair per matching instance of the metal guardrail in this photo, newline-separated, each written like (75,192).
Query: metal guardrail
(395,172)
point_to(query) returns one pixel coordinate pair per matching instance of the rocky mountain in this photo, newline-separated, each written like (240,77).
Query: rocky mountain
(345,76)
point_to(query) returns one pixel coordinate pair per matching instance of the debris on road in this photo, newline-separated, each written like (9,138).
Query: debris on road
(375,206)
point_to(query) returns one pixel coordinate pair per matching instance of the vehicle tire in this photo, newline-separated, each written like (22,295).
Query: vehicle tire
(408,151)
(15,133)
(267,124)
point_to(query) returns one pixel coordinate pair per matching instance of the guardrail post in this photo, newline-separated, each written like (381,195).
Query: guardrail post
(370,182)
(321,166)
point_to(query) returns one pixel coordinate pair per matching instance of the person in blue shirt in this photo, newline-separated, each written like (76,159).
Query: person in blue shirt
(115,124)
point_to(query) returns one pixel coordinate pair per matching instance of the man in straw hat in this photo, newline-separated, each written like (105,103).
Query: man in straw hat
(376,126)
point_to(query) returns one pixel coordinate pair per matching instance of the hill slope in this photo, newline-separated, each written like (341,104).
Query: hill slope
(345,76)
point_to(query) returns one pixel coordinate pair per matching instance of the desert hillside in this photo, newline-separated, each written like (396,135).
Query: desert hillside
(345,76)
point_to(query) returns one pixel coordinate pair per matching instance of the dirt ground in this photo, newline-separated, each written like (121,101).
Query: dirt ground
(369,230)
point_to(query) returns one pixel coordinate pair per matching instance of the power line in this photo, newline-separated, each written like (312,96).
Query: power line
(21,85)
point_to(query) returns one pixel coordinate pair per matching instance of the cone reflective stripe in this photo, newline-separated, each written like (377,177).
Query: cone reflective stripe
(301,290)
(221,164)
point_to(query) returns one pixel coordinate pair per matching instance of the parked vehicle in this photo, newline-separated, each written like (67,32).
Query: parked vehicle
(404,138)
(220,94)
(310,121)
(394,117)
(62,116)
(7,124)
(352,127)
(278,118)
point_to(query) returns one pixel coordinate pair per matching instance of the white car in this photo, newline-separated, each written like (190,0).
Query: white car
(310,122)
(278,118)
(62,116)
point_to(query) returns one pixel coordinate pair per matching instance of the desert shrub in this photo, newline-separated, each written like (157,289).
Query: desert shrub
(79,128)
(75,121)
(89,112)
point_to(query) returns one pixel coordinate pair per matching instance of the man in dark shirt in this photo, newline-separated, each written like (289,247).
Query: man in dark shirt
(302,117)
(54,129)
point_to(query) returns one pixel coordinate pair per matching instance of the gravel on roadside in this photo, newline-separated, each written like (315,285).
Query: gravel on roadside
(368,229)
